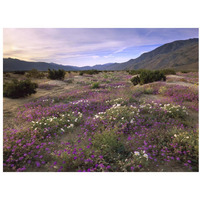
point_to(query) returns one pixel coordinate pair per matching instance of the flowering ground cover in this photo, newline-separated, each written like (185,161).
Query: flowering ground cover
(117,127)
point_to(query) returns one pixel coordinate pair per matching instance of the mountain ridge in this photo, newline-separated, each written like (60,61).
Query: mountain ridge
(180,54)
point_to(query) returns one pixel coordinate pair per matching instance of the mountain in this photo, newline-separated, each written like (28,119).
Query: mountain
(179,55)
(10,64)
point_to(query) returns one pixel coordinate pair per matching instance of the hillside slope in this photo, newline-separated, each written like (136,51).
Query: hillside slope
(182,54)
(179,55)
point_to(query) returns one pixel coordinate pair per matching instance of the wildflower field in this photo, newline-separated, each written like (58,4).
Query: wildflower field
(103,123)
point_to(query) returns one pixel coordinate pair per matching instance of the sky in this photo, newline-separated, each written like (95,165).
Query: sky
(87,46)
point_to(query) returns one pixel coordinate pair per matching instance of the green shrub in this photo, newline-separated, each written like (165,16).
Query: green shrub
(147,76)
(81,73)
(56,74)
(16,89)
(34,73)
(108,143)
(168,71)
(151,76)
(19,72)
(95,85)
(185,71)
(135,80)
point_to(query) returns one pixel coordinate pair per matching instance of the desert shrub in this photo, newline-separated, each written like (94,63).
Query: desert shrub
(56,74)
(133,72)
(168,71)
(175,111)
(135,80)
(19,72)
(188,142)
(59,124)
(108,143)
(34,73)
(95,85)
(81,73)
(185,71)
(147,76)
(151,76)
(91,72)
(148,90)
(16,89)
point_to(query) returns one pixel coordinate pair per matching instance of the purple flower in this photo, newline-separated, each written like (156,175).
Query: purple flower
(189,161)
(75,158)
(132,168)
(37,163)
(101,157)
(92,156)
(21,158)
(54,163)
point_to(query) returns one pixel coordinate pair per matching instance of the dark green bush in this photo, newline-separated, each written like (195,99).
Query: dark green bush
(135,80)
(185,71)
(19,72)
(151,76)
(147,76)
(95,85)
(81,73)
(168,71)
(34,73)
(56,74)
(16,89)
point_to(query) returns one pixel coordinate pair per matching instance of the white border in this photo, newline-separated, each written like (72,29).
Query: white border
(98,14)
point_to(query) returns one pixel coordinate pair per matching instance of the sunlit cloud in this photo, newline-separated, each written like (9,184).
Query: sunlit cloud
(86,46)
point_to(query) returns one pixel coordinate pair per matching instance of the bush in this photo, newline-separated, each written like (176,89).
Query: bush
(151,76)
(90,72)
(34,73)
(19,72)
(56,74)
(147,76)
(135,80)
(185,71)
(95,85)
(16,89)
(168,71)
(81,73)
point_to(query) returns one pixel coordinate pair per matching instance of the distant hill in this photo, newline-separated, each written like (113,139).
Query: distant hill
(179,55)
(10,64)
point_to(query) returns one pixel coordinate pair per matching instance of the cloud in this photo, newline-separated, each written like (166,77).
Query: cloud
(85,46)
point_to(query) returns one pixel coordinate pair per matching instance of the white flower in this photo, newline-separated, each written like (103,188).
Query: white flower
(136,153)
(146,156)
